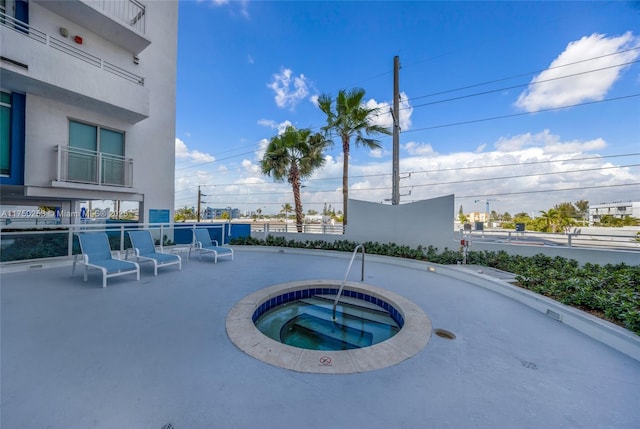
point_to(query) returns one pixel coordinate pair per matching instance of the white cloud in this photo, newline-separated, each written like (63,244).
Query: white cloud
(549,142)
(418,149)
(509,172)
(183,153)
(242,4)
(280,126)
(376,153)
(289,89)
(250,59)
(547,91)
(384,117)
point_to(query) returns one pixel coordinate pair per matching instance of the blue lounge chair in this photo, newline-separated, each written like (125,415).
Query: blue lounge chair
(204,244)
(145,250)
(96,253)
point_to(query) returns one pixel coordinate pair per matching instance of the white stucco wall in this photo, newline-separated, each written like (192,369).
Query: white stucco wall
(154,148)
(422,223)
(60,87)
(425,223)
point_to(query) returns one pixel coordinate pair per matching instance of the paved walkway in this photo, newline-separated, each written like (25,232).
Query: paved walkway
(155,352)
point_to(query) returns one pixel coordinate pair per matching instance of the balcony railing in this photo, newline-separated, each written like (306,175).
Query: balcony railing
(61,46)
(91,167)
(131,12)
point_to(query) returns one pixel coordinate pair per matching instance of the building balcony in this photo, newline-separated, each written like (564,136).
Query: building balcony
(122,22)
(41,64)
(82,166)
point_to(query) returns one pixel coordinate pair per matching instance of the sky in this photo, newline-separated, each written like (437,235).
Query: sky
(518,105)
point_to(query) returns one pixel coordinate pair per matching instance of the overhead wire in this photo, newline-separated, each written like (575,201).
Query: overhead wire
(468,121)
(513,115)
(522,74)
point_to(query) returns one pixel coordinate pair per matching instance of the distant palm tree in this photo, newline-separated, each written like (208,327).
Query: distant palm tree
(552,219)
(350,118)
(294,155)
(286,208)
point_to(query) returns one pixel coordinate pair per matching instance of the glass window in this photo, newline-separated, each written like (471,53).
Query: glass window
(5,133)
(85,143)
(112,148)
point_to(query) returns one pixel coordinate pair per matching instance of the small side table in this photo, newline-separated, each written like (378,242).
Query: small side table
(182,251)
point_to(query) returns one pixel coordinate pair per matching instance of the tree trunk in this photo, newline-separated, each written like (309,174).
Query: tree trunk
(345,178)
(294,177)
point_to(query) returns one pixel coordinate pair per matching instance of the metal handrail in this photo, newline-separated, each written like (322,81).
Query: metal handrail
(355,252)
(27,30)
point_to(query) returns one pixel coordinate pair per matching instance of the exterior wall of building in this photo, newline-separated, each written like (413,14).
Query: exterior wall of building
(107,79)
(619,210)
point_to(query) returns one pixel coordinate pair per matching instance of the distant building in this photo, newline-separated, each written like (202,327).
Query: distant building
(620,210)
(216,213)
(477,217)
(88,92)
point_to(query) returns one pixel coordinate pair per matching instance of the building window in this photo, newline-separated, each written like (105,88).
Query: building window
(5,134)
(93,151)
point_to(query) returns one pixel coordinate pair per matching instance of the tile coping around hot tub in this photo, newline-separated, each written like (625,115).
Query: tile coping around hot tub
(412,338)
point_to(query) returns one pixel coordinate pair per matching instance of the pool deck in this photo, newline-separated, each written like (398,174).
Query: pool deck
(155,352)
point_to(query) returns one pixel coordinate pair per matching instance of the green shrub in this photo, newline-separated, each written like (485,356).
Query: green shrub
(609,291)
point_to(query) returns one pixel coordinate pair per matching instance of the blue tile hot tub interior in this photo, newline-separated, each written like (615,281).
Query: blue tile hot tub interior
(303,318)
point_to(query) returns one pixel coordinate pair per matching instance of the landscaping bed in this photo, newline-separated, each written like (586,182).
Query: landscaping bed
(611,292)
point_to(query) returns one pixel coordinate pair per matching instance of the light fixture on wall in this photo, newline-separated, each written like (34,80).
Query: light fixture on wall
(64,32)
(78,40)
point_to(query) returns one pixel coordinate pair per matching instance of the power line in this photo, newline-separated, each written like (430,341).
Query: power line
(521,75)
(513,115)
(515,86)
(580,188)
(519,176)
(442,183)
(215,160)
(496,194)
(568,160)
(523,163)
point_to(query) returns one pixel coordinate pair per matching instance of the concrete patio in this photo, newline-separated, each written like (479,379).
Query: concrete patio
(149,353)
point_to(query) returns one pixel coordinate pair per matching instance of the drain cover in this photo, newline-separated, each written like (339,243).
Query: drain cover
(443,333)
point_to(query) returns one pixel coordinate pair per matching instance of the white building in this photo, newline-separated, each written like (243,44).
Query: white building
(88,103)
(620,210)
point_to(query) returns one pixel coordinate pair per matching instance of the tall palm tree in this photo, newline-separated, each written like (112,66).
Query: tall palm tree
(294,155)
(349,117)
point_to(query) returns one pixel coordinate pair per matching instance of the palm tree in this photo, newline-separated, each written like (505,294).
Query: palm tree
(294,155)
(350,118)
(552,218)
(286,208)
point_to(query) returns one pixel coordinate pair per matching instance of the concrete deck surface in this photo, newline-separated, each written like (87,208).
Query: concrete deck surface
(145,354)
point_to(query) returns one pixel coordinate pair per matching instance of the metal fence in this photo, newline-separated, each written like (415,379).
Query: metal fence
(630,240)
(31,242)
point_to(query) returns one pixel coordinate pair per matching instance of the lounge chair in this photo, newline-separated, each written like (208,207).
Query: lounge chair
(96,253)
(204,244)
(145,250)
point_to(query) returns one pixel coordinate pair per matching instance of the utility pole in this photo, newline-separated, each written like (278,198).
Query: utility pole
(198,214)
(395,191)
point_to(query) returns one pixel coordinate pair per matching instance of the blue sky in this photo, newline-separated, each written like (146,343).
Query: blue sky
(487,111)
